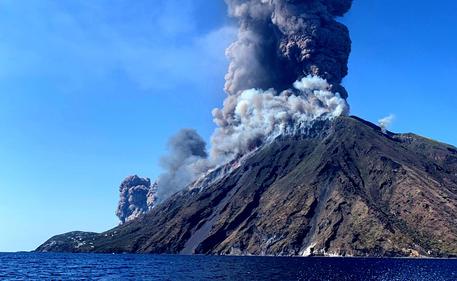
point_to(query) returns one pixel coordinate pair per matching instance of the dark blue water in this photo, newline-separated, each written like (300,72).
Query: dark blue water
(35,266)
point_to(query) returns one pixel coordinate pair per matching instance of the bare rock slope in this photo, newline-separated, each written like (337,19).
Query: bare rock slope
(343,188)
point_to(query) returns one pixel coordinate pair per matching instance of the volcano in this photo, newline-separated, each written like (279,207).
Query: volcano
(343,187)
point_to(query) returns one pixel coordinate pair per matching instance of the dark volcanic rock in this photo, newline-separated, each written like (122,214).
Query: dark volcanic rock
(344,189)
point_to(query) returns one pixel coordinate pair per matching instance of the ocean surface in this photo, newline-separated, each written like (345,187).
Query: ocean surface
(38,266)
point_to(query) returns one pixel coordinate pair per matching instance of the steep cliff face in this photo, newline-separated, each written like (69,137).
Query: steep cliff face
(343,188)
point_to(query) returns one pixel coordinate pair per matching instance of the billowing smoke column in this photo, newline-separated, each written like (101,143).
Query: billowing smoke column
(281,41)
(137,196)
(186,160)
(286,70)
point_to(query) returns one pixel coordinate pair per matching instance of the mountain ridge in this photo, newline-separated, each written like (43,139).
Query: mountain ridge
(345,188)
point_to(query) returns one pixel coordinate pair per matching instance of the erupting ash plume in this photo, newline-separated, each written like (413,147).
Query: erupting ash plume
(137,196)
(281,41)
(285,71)
(186,160)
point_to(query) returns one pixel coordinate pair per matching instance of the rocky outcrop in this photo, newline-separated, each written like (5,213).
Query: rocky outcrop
(342,188)
(69,242)
(137,197)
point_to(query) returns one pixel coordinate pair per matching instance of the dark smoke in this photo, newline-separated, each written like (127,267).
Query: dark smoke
(187,159)
(281,41)
(137,197)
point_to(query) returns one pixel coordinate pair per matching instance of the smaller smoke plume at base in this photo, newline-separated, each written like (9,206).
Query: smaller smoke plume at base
(137,197)
(186,160)
(385,122)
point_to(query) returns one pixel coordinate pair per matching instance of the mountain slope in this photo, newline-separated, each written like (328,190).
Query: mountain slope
(344,188)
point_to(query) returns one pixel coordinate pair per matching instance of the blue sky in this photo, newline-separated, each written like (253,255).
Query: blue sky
(90,91)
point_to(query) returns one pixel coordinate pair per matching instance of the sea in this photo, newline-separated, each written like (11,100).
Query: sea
(47,266)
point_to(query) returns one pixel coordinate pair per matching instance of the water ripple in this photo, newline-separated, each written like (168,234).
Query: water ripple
(47,266)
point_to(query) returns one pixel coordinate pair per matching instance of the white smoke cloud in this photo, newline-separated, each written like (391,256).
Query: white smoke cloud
(385,122)
(260,116)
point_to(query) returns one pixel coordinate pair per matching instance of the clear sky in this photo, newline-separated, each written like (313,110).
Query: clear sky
(90,91)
